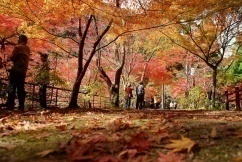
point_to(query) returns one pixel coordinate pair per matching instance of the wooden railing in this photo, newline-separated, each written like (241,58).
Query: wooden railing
(59,97)
(234,96)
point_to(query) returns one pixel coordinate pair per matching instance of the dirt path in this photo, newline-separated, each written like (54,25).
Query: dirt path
(121,135)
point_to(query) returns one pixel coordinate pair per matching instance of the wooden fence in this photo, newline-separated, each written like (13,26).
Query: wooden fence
(233,97)
(57,97)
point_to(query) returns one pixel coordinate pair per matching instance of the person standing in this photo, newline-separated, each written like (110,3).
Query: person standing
(128,95)
(43,79)
(140,96)
(17,74)
(151,102)
(171,105)
(155,101)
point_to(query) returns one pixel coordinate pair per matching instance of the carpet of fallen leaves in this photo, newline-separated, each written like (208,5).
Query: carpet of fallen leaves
(119,135)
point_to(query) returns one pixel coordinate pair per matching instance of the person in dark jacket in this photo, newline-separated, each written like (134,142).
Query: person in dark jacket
(17,74)
(43,79)
(140,96)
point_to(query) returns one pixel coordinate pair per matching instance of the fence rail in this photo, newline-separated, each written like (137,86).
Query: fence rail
(56,97)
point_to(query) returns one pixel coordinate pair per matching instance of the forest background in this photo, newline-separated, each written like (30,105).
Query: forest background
(187,50)
(190,48)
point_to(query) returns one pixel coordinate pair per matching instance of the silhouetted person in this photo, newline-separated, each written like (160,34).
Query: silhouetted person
(156,102)
(43,79)
(17,74)
(140,96)
(151,102)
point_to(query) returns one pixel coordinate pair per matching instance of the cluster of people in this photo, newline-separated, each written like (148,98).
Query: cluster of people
(155,102)
(140,92)
(17,74)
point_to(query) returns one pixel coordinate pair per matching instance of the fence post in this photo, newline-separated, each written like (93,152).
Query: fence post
(33,96)
(237,98)
(56,97)
(51,95)
(226,100)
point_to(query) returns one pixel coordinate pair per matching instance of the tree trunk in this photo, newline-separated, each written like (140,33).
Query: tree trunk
(214,87)
(113,93)
(146,65)
(163,95)
(114,88)
(82,70)
(143,72)
(74,96)
(75,90)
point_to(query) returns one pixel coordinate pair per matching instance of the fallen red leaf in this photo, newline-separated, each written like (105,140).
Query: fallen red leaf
(108,158)
(128,153)
(61,127)
(140,142)
(170,157)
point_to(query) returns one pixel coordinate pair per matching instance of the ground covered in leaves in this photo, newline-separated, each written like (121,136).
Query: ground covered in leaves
(118,135)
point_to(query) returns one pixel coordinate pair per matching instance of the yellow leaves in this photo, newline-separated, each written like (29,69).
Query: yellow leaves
(181,145)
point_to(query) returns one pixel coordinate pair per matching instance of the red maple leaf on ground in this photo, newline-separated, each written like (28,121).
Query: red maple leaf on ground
(140,142)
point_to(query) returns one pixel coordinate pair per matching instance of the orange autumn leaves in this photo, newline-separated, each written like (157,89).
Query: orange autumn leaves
(181,144)
(121,137)
(102,147)
(120,140)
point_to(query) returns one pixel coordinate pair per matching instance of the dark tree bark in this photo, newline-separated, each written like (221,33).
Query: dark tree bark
(82,68)
(114,87)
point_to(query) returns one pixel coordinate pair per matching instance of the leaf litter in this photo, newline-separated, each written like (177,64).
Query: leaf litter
(160,136)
